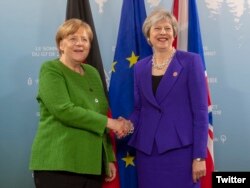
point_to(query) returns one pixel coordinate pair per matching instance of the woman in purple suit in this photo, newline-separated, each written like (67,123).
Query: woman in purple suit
(170,114)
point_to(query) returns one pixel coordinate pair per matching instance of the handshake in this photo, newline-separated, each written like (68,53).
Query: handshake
(121,127)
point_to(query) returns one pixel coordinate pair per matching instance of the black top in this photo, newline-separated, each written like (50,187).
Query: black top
(155,82)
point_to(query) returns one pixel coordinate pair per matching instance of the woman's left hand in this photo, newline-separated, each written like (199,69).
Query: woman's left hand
(112,173)
(199,169)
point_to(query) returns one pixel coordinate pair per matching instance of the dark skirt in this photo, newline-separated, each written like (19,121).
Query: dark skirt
(172,169)
(62,179)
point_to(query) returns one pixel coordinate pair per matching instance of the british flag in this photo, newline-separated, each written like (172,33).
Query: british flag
(189,39)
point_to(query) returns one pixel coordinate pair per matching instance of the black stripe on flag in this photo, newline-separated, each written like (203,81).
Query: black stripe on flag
(81,9)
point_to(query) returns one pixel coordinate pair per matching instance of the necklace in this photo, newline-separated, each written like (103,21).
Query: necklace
(160,66)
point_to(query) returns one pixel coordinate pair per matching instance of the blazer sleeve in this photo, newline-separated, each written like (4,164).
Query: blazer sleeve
(199,104)
(134,117)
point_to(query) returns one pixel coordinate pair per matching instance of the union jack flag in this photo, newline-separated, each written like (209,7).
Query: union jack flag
(189,39)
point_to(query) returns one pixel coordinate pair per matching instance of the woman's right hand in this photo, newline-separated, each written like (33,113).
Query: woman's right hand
(112,172)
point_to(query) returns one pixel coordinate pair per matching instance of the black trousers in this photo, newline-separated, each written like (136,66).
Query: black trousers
(62,179)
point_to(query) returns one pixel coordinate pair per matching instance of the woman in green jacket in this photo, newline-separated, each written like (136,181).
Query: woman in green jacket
(72,147)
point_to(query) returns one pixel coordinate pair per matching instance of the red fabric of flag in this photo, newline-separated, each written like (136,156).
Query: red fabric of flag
(116,182)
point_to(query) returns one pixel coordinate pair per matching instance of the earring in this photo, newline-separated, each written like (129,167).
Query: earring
(149,42)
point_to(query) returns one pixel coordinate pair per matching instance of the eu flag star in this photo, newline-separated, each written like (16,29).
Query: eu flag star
(113,66)
(129,160)
(132,59)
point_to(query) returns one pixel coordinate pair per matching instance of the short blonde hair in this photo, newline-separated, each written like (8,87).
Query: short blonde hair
(157,15)
(69,27)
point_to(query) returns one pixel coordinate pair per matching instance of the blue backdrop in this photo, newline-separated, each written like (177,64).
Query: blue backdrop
(27,39)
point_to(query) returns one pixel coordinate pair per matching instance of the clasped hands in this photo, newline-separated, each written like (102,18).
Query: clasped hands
(121,127)
(125,129)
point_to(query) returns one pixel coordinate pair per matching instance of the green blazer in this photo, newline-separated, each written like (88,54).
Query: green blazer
(72,134)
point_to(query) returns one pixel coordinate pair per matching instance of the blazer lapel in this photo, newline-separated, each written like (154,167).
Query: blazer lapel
(147,84)
(168,80)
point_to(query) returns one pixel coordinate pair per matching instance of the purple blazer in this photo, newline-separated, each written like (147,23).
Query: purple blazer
(177,115)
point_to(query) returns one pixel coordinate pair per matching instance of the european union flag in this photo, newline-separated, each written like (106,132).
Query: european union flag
(131,46)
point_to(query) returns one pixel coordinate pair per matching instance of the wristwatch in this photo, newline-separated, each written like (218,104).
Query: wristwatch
(199,159)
